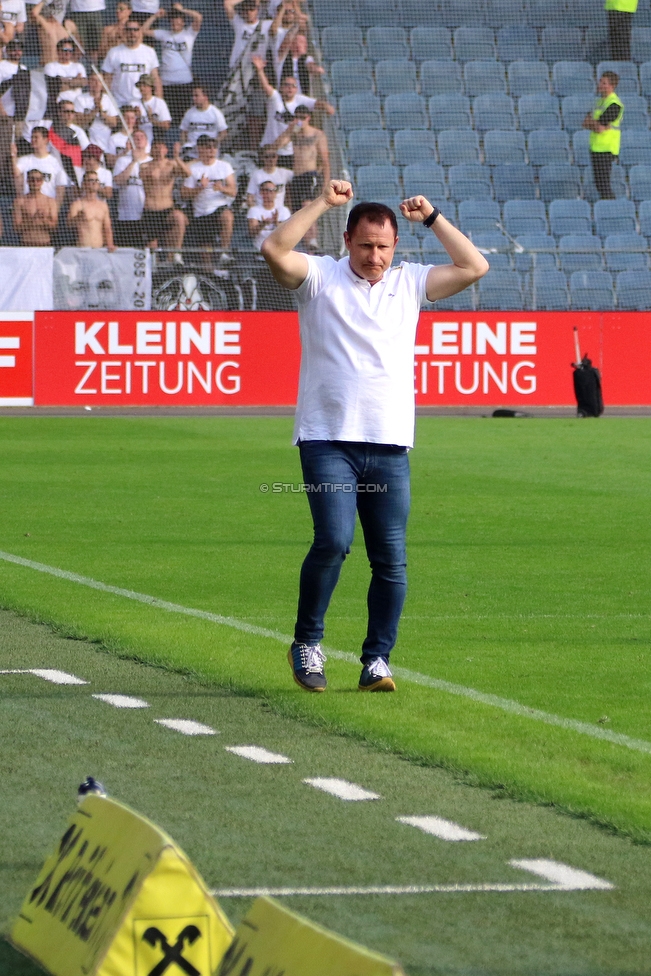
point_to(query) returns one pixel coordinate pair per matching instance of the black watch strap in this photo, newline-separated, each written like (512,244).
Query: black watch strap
(432,217)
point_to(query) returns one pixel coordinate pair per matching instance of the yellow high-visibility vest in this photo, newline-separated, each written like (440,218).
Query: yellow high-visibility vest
(609,140)
(625,6)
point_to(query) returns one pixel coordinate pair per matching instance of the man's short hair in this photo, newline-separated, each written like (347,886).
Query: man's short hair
(270,184)
(37,172)
(249,4)
(14,44)
(206,141)
(612,77)
(375,213)
(302,111)
(42,129)
(63,42)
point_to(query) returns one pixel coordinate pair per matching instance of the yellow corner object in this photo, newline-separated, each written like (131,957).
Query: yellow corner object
(119,898)
(272,941)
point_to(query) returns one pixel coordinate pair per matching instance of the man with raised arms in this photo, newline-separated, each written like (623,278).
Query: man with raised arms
(355,412)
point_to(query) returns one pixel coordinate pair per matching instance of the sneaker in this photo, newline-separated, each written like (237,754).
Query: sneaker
(306,662)
(376,676)
(177,258)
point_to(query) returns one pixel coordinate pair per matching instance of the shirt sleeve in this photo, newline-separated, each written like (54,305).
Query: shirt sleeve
(418,276)
(609,115)
(317,268)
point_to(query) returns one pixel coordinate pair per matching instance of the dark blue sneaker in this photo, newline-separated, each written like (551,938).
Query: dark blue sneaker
(306,661)
(376,676)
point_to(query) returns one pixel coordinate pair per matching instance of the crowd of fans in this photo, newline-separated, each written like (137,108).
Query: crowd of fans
(113,140)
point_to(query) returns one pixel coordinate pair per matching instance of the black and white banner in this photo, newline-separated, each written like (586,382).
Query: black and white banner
(88,278)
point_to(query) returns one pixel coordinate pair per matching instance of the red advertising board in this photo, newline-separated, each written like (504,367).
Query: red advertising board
(16,361)
(252,358)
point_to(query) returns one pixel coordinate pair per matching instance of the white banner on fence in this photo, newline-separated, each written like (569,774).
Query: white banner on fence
(26,279)
(89,279)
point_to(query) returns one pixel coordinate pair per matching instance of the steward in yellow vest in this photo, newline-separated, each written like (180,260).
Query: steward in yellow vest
(620,21)
(605,136)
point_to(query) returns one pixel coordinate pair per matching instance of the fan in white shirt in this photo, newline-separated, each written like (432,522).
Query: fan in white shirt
(281,106)
(268,170)
(264,219)
(155,116)
(251,33)
(203,119)
(176,44)
(124,65)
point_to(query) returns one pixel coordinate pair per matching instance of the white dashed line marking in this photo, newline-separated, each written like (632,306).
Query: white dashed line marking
(258,755)
(562,875)
(186,726)
(49,674)
(342,789)
(122,701)
(388,890)
(443,829)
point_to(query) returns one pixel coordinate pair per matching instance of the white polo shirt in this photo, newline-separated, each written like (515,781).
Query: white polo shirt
(357,364)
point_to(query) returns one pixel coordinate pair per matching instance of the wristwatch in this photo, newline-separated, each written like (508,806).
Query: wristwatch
(432,217)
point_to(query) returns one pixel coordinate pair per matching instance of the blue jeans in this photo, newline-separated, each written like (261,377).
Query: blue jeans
(344,478)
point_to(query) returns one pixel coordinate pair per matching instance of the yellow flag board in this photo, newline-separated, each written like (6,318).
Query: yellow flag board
(117,897)
(272,941)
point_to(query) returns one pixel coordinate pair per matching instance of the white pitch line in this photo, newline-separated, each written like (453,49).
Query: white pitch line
(186,726)
(385,890)
(414,677)
(342,789)
(443,829)
(122,701)
(258,755)
(49,674)
(563,875)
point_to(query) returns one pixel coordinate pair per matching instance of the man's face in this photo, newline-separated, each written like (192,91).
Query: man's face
(65,52)
(67,112)
(133,34)
(131,119)
(200,99)
(39,141)
(269,161)
(207,153)
(604,87)
(268,194)
(299,46)
(146,91)
(159,151)
(123,11)
(91,184)
(91,165)
(14,54)
(139,140)
(250,14)
(177,22)
(371,248)
(35,182)
(288,89)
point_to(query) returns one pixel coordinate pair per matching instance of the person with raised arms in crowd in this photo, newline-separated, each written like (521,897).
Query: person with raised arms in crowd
(124,65)
(163,224)
(115,34)
(251,33)
(131,192)
(212,189)
(176,55)
(294,60)
(35,214)
(311,164)
(50,32)
(355,412)
(90,216)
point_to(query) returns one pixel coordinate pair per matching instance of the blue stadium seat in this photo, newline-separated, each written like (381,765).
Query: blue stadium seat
(408,249)
(562,44)
(415,13)
(414,145)
(517,42)
(634,290)
(447,207)
(503,146)
(328,13)
(528,78)
(617,183)
(591,290)
(614,217)
(643,14)
(548,146)
(580,252)
(626,252)
(477,216)
(474,43)
(570,217)
(635,147)
(464,301)
(469,181)
(339,42)
(427,179)
(573,78)
(350,77)
(549,291)
(449,112)
(583,13)
(458,146)
(483,77)
(539,112)
(501,290)
(360,112)
(395,77)
(495,247)
(440,78)
(645,78)
(430,45)
(559,181)
(505,12)
(494,111)
(514,181)
(386,42)
(581,147)
(407,111)
(525,217)
(636,114)
(575,108)
(433,253)
(454,13)
(372,14)
(377,180)
(367,146)
(644,216)
(639,180)
(628,78)
(641,44)
(539,251)
(541,13)
(597,46)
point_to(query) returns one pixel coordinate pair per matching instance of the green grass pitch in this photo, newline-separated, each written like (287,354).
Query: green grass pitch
(528,568)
